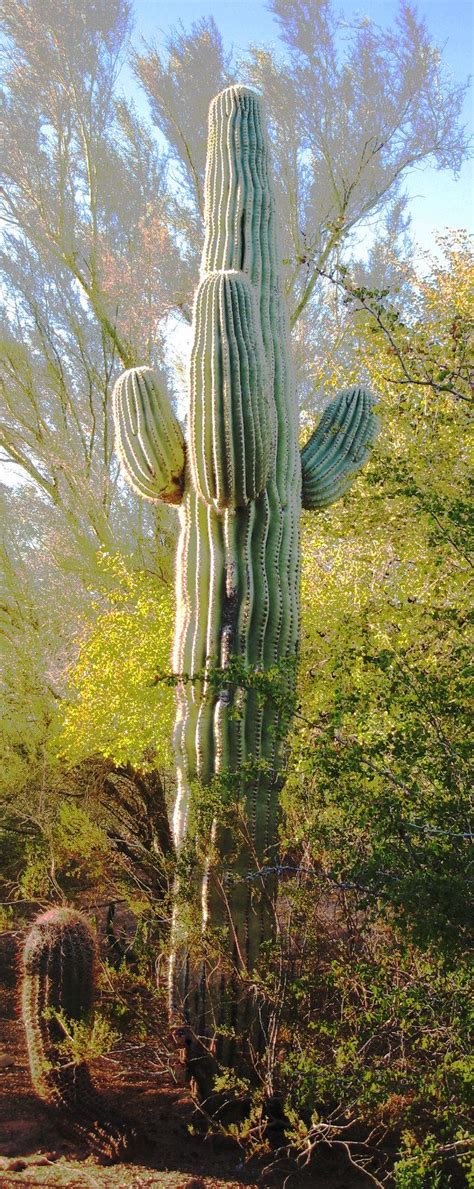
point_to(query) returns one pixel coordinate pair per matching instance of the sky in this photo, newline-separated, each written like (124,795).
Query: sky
(437,199)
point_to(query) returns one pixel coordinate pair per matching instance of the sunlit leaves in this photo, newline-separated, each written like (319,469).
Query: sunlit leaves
(120,710)
(380,782)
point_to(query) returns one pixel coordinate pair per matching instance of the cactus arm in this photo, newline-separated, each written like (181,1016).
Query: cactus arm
(149,438)
(338,448)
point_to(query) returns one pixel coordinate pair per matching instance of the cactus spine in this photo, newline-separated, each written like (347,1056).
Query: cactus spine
(238,561)
(59,960)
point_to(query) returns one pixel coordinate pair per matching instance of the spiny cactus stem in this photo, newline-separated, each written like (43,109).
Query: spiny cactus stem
(238,571)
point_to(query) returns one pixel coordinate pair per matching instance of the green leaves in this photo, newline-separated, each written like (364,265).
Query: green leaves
(120,711)
(379,781)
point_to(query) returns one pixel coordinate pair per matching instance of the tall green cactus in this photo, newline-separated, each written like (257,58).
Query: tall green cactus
(58,984)
(238,562)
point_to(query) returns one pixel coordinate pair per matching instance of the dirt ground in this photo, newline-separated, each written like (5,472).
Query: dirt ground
(175,1152)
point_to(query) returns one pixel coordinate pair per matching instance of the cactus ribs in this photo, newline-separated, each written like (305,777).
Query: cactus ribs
(243,483)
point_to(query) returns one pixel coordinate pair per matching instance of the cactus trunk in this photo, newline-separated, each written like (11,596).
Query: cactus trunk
(238,557)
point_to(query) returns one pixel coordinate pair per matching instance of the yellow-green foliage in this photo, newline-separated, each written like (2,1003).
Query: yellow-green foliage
(379,781)
(75,845)
(390,559)
(81,848)
(86,1040)
(121,708)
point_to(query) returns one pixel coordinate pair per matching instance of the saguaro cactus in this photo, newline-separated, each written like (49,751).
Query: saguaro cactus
(237,585)
(58,984)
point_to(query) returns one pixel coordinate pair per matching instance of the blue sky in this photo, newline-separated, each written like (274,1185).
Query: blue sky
(437,199)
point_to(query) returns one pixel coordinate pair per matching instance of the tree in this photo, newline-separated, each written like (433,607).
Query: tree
(385,655)
(346,125)
(84,208)
(102,227)
(378,816)
(119,704)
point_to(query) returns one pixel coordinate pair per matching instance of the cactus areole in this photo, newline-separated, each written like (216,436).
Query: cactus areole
(241,483)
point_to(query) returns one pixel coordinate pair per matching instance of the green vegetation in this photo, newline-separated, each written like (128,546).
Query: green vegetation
(119,706)
(366,982)
(369,983)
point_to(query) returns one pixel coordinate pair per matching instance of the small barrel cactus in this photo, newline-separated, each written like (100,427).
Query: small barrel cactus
(58,983)
(244,483)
